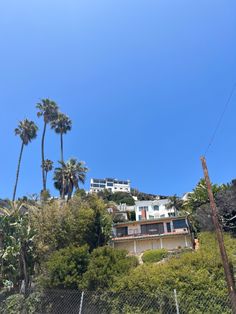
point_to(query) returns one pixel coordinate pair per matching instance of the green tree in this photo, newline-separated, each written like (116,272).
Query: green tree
(18,246)
(64,268)
(27,131)
(105,266)
(61,125)
(78,222)
(47,109)
(47,166)
(72,173)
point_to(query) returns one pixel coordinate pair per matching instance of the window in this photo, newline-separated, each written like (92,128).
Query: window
(109,184)
(168,227)
(151,217)
(143,208)
(179,224)
(139,217)
(122,231)
(171,214)
(152,229)
(156,207)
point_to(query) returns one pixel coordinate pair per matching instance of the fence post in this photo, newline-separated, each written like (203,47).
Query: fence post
(81,302)
(176,302)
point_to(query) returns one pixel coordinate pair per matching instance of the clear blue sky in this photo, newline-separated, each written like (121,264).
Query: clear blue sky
(143,81)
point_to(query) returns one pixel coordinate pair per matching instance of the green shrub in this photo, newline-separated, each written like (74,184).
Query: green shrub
(64,268)
(106,265)
(154,256)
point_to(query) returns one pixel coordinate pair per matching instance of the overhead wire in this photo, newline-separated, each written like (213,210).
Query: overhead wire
(220,119)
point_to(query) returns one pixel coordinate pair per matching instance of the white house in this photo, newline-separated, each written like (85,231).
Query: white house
(146,210)
(139,236)
(113,185)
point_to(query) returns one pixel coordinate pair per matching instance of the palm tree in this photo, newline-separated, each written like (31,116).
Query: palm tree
(47,166)
(27,131)
(61,125)
(72,173)
(48,109)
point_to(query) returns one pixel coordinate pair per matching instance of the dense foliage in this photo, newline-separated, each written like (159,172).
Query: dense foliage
(154,256)
(106,266)
(117,197)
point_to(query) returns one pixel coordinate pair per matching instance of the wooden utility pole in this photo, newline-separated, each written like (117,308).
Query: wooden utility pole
(218,229)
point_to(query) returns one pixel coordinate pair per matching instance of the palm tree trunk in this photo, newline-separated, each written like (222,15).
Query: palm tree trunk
(24,270)
(70,190)
(17,172)
(62,152)
(62,161)
(42,148)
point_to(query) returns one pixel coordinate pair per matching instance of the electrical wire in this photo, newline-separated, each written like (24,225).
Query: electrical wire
(220,119)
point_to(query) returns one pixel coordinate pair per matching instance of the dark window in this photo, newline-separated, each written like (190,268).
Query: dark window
(122,231)
(109,184)
(168,227)
(179,224)
(95,185)
(143,208)
(156,207)
(152,229)
(139,217)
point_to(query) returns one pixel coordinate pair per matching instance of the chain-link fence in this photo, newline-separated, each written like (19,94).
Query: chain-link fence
(87,302)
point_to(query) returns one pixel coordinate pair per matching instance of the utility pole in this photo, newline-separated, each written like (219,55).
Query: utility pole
(218,229)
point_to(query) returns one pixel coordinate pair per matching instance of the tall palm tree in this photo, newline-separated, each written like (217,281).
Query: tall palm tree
(47,166)
(73,172)
(61,125)
(27,131)
(48,109)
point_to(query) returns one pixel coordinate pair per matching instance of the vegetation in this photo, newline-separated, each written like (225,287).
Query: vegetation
(198,206)
(47,109)
(154,256)
(68,176)
(27,131)
(64,268)
(117,197)
(106,266)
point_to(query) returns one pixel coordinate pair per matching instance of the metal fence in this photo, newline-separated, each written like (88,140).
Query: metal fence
(87,302)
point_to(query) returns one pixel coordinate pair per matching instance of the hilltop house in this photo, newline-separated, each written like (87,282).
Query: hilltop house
(154,209)
(138,236)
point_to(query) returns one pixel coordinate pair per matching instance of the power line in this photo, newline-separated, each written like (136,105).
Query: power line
(220,119)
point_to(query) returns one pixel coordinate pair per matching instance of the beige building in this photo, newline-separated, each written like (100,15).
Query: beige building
(170,233)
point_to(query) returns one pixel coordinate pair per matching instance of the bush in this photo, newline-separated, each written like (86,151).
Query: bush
(106,266)
(154,256)
(66,267)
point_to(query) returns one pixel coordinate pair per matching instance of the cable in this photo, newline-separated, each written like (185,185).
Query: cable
(220,119)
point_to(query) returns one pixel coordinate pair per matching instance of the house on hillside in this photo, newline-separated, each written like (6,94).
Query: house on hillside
(170,233)
(154,209)
(110,184)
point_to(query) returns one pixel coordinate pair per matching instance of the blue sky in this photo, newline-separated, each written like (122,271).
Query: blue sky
(143,81)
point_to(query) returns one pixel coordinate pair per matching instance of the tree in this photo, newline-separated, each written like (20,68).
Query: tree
(47,166)
(64,268)
(72,173)
(78,222)
(27,131)
(61,125)
(18,246)
(48,109)
(106,265)
(198,205)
